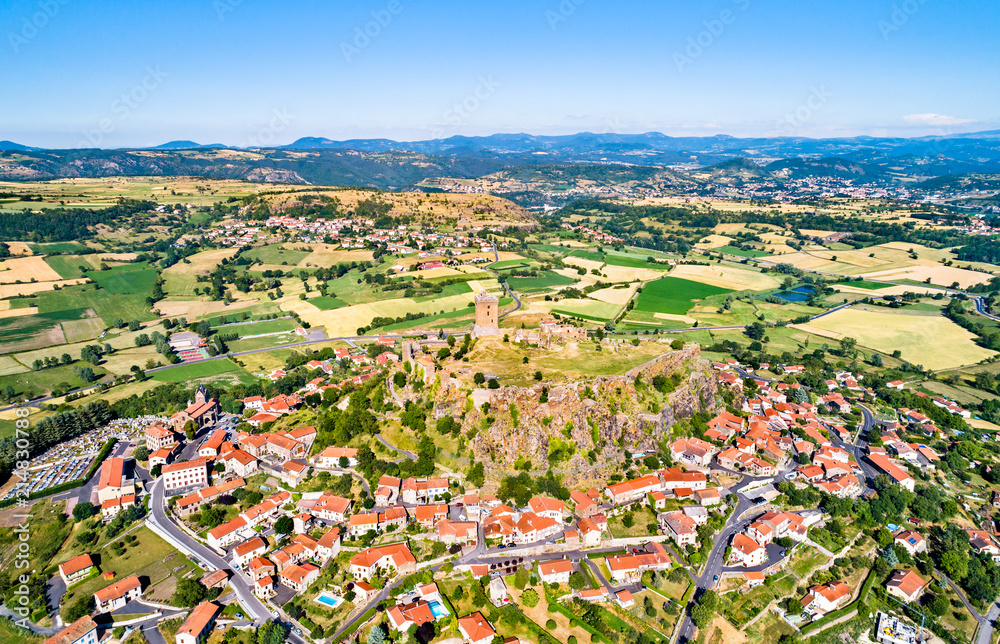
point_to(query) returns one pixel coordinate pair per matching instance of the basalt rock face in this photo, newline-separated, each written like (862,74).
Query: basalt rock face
(589,424)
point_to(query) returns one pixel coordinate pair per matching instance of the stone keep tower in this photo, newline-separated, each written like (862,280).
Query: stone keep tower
(487,311)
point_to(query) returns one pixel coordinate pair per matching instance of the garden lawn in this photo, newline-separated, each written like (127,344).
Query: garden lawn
(152,558)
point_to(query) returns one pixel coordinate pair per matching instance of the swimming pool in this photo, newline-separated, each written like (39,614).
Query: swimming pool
(329,599)
(437,609)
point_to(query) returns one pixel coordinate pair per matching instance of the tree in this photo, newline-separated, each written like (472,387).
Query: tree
(521,578)
(84,510)
(141,453)
(479,378)
(376,635)
(134,325)
(704,610)
(955,564)
(530,598)
(939,604)
(190,429)
(271,633)
(284,525)
(188,592)
(253,498)
(756,331)
(577,581)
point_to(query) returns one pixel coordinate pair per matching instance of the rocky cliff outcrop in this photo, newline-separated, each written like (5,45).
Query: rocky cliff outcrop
(591,423)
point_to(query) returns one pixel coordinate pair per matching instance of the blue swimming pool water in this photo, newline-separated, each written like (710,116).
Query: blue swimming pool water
(437,609)
(328,600)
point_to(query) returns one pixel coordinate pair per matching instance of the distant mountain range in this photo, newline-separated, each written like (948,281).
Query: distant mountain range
(670,162)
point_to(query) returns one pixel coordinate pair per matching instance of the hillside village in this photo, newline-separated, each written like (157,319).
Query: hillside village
(761,497)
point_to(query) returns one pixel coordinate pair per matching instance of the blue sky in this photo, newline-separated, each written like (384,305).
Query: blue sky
(241,72)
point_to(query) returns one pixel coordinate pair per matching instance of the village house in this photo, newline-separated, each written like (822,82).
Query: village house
(395,557)
(76,569)
(906,586)
(178,476)
(556,571)
(117,594)
(198,625)
(825,598)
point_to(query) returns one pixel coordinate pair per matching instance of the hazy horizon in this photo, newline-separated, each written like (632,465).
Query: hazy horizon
(129,75)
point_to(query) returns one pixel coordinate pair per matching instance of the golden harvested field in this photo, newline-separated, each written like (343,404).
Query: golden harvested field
(80,330)
(714,241)
(722,276)
(673,316)
(7,312)
(105,191)
(8,366)
(615,274)
(328,254)
(619,296)
(925,338)
(13,290)
(19,248)
(192,309)
(889,261)
(434,272)
(347,320)
(25,269)
(938,274)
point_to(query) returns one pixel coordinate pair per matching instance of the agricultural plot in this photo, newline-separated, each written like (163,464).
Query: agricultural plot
(259,328)
(329,254)
(280,255)
(924,338)
(545,281)
(26,269)
(741,252)
(35,383)
(673,295)
(587,309)
(107,305)
(56,247)
(180,280)
(130,278)
(221,369)
(326,303)
(728,277)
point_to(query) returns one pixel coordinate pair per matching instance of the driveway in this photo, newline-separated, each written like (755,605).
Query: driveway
(55,588)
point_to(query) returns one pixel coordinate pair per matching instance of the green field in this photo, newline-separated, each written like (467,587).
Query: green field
(587,309)
(275,254)
(551,248)
(325,303)
(459,288)
(57,247)
(544,281)
(130,278)
(68,266)
(740,252)
(36,331)
(203,369)
(673,295)
(258,328)
(586,254)
(866,284)
(127,306)
(35,383)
